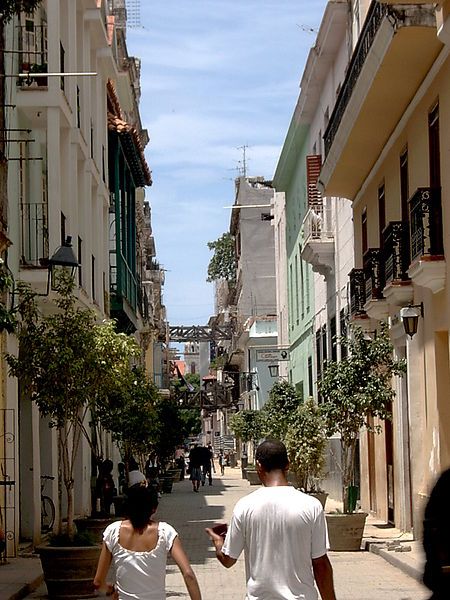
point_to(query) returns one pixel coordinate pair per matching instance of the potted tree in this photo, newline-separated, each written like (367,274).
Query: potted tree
(306,441)
(57,355)
(356,390)
(247,425)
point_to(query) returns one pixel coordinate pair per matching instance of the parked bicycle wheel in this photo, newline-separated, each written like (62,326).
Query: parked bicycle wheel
(47,513)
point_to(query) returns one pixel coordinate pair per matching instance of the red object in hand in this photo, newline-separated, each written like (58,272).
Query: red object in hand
(221,529)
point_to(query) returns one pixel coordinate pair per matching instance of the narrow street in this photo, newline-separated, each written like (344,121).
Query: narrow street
(358,576)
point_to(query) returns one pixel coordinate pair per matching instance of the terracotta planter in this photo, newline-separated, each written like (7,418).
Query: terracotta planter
(175,474)
(345,532)
(94,527)
(69,571)
(166,484)
(252,477)
(321,496)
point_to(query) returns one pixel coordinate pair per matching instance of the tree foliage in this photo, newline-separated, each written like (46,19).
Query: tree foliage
(356,390)
(223,263)
(9,8)
(247,425)
(278,410)
(306,441)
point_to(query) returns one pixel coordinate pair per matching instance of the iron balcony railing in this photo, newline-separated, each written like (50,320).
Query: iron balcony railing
(373,274)
(375,15)
(357,292)
(425,216)
(34,225)
(33,53)
(396,251)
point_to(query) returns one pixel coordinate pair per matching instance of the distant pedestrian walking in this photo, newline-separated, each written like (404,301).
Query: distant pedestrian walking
(221,462)
(208,466)
(436,539)
(283,534)
(138,548)
(195,466)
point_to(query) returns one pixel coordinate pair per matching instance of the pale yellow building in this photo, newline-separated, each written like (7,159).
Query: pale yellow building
(386,149)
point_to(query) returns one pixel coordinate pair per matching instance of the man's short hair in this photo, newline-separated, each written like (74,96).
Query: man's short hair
(272,455)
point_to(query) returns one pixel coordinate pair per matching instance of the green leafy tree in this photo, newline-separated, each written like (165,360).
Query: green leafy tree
(278,410)
(170,430)
(306,441)
(356,390)
(247,425)
(131,414)
(223,263)
(57,355)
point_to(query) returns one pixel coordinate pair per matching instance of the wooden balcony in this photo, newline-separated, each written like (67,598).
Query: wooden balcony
(398,289)
(427,266)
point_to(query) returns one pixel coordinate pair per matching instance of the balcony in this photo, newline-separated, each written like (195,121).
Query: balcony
(357,295)
(398,289)
(318,245)
(123,292)
(396,48)
(375,304)
(33,56)
(427,267)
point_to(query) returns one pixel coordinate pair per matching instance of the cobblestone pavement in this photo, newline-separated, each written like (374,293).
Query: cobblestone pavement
(358,575)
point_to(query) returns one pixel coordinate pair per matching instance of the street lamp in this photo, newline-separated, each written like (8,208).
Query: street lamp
(410,318)
(62,260)
(274,370)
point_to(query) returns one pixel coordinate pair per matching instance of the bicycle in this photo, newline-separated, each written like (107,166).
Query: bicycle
(47,506)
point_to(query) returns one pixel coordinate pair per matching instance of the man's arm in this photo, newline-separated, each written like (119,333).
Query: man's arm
(323,574)
(217,540)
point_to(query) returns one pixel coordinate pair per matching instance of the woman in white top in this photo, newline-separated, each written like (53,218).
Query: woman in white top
(138,548)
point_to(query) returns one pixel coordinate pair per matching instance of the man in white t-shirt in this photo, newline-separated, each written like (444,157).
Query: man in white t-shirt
(283,535)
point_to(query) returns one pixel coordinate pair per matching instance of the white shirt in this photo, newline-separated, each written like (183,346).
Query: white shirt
(280,530)
(140,575)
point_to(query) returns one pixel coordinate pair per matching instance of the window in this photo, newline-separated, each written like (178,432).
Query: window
(333,339)
(63,229)
(404,185)
(364,231)
(93,277)
(343,323)
(433,145)
(302,286)
(78,108)
(310,377)
(296,291)
(381,213)
(324,344)
(62,60)
(291,289)
(80,261)
(318,354)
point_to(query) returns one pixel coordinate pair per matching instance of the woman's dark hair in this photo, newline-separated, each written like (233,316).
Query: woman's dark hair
(140,505)
(272,455)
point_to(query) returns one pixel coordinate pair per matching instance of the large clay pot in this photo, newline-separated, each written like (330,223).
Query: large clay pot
(345,531)
(69,571)
(252,477)
(94,526)
(321,496)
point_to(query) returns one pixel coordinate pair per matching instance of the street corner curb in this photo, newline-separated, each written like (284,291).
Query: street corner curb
(27,588)
(394,559)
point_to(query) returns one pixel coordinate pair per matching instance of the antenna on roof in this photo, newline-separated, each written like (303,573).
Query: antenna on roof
(243,169)
(307,28)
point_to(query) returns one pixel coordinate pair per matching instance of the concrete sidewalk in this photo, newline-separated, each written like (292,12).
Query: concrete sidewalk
(190,513)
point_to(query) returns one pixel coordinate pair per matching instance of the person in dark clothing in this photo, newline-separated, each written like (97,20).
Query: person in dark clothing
(207,463)
(105,487)
(195,467)
(436,539)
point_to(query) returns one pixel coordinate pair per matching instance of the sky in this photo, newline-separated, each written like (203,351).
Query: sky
(217,75)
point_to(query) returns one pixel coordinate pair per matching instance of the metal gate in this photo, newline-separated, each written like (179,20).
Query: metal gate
(7,484)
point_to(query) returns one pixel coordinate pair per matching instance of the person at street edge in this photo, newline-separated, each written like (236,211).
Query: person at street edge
(283,534)
(436,539)
(138,547)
